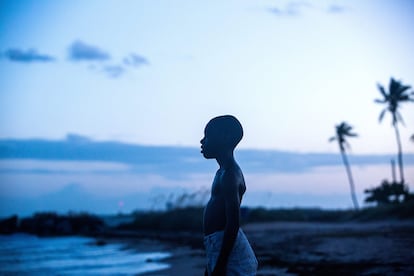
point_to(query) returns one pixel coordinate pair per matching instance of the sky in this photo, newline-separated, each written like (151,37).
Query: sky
(154,72)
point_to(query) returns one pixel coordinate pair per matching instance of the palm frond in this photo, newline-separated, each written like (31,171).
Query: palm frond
(382,90)
(397,94)
(342,131)
(380,101)
(393,86)
(350,134)
(382,115)
(347,128)
(347,145)
(402,88)
(405,98)
(399,118)
(333,138)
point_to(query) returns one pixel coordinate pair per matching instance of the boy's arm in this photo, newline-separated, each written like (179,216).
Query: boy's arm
(232,209)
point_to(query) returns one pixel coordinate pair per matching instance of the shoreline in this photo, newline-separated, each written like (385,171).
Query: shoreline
(183,260)
(285,248)
(301,248)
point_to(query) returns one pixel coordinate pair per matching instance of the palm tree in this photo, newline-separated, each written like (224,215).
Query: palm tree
(343,130)
(397,94)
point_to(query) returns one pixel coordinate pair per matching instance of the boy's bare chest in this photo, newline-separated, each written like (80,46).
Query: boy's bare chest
(217,183)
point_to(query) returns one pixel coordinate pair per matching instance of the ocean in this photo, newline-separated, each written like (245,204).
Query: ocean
(22,254)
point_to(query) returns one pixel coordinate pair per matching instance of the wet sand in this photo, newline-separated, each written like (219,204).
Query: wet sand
(286,248)
(352,248)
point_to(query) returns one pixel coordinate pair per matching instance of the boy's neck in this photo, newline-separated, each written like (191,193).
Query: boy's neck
(226,160)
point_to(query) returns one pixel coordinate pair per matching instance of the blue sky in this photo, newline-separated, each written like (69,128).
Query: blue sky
(154,72)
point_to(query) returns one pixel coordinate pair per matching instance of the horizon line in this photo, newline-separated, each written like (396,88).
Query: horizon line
(76,138)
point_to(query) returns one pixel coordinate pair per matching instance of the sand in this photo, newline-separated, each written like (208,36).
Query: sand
(286,248)
(352,248)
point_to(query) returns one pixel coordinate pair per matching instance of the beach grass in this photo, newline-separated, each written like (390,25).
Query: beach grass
(190,218)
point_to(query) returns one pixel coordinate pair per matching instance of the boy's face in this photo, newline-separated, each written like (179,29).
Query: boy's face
(211,144)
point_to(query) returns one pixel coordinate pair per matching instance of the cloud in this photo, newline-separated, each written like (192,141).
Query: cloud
(131,61)
(135,60)
(336,9)
(172,161)
(80,51)
(29,56)
(114,71)
(96,58)
(297,8)
(291,9)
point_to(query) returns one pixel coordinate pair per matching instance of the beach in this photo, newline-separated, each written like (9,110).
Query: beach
(352,247)
(310,248)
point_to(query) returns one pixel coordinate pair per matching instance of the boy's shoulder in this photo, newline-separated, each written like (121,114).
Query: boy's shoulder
(232,177)
(233,169)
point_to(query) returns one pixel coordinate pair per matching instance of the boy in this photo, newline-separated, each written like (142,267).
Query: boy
(228,250)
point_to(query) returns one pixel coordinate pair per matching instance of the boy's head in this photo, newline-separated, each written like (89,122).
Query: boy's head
(221,134)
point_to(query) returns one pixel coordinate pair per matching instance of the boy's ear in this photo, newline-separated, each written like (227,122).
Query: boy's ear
(227,139)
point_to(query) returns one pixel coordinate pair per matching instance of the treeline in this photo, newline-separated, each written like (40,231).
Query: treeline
(52,224)
(190,218)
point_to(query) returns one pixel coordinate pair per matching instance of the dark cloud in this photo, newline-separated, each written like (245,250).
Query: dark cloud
(29,56)
(169,160)
(82,51)
(135,60)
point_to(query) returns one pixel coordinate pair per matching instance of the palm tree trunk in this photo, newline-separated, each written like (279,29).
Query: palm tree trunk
(400,157)
(351,180)
(394,178)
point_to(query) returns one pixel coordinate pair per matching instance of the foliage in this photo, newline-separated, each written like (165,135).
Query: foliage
(178,219)
(388,193)
(296,215)
(344,130)
(403,210)
(190,219)
(181,200)
(397,94)
(51,224)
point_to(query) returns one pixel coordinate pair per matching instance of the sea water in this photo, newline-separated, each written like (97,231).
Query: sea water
(30,255)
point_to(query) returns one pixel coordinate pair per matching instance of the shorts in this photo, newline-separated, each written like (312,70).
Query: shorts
(242,261)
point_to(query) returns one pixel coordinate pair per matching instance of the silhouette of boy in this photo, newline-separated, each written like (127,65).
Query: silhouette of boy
(227,248)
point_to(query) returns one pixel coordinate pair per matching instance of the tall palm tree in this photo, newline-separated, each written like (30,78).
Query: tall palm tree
(397,94)
(342,131)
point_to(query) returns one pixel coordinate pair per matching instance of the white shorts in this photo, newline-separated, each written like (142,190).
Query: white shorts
(242,261)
